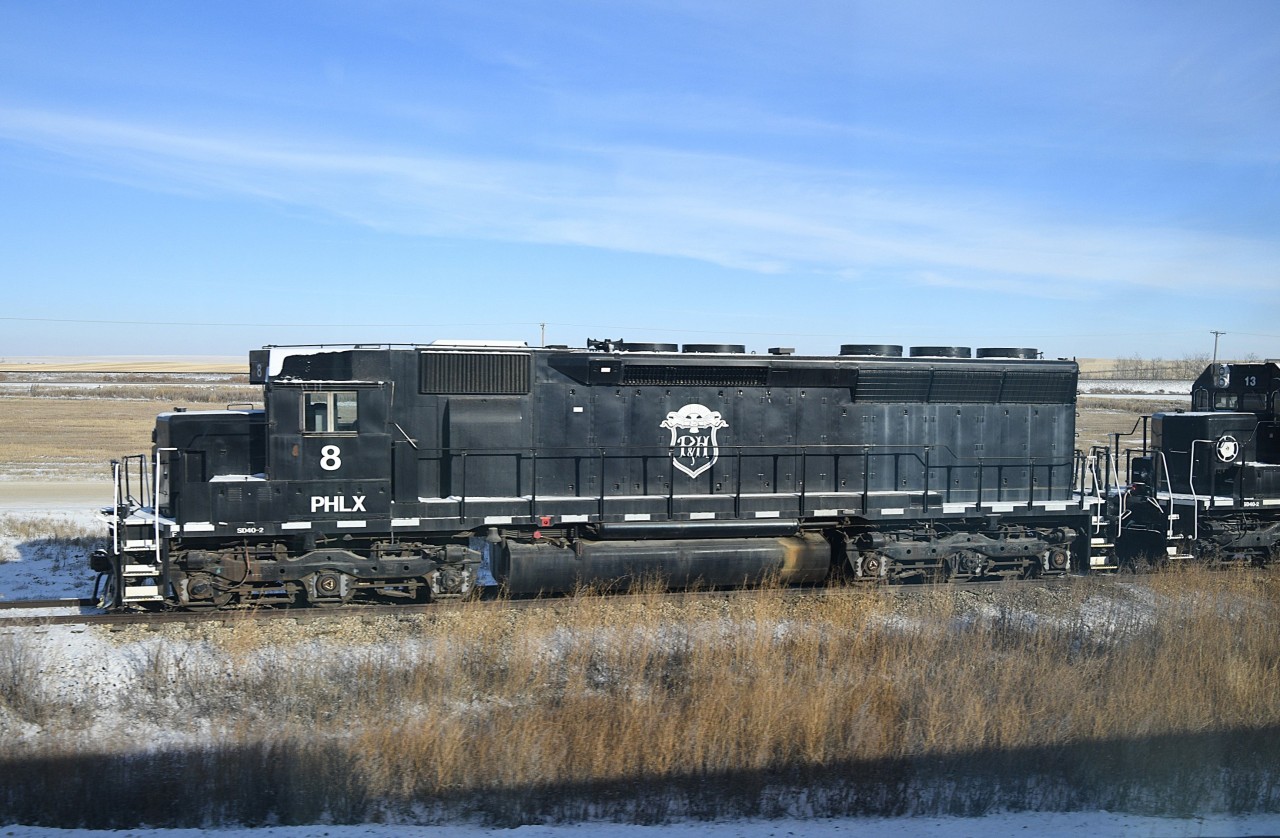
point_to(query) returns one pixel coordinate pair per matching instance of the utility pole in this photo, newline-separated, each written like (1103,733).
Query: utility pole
(1216,334)
(543,327)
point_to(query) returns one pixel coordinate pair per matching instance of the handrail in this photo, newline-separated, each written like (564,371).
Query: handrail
(115,507)
(1191,482)
(1164,467)
(155,506)
(799,481)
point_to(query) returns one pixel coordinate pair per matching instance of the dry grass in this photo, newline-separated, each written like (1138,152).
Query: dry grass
(209,396)
(50,527)
(67,438)
(135,363)
(597,700)
(1097,419)
(772,684)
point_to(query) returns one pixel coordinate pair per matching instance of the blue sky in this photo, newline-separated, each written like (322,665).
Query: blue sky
(1091,178)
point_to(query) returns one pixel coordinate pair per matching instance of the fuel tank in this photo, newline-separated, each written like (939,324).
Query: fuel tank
(532,568)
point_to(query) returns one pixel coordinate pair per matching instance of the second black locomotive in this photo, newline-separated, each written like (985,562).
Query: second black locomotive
(1205,483)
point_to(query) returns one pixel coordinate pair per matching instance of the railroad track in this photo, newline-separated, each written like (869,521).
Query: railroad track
(12,613)
(28,604)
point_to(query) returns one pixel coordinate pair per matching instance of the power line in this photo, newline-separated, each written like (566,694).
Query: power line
(254,325)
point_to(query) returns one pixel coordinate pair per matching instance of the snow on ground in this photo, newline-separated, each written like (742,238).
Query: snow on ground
(76,663)
(44,552)
(1135,387)
(1022,825)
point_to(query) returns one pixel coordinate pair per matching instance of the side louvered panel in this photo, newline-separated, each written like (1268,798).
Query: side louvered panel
(474,373)
(892,385)
(964,387)
(694,376)
(1038,388)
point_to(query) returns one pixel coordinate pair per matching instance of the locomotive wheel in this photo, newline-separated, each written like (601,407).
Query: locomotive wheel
(206,592)
(326,591)
(864,567)
(328,585)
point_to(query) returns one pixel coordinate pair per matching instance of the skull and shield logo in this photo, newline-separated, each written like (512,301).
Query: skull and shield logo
(694,447)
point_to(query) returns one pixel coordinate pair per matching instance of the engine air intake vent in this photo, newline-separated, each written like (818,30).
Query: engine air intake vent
(1027,387)
(1024,353)
(894,385)
(691,376)
(953,386)
(474,373)
(872,350)
(941,352)
(964,386)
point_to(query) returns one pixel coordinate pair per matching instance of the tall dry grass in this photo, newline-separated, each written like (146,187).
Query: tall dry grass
(603,693)
(599,699)
(51,527)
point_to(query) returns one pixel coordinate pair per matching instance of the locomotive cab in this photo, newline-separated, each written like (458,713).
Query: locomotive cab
(1247,388)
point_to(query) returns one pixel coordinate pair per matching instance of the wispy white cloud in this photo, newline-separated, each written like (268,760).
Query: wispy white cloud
(736,211)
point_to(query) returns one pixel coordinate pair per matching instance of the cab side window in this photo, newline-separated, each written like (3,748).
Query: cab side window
(334,412)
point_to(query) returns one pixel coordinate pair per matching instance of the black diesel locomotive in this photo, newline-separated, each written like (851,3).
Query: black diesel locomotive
(1205,484)
(431,471)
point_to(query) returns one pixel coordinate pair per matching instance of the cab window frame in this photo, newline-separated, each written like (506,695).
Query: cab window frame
(1254,402)
(1225,400)
(330,412)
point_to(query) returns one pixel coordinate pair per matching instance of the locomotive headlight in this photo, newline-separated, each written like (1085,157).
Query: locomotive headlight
(99,561)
